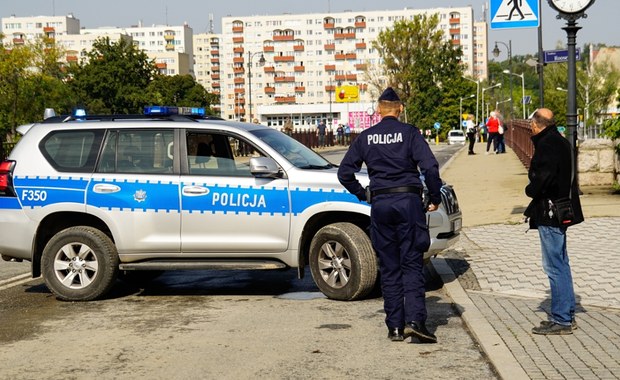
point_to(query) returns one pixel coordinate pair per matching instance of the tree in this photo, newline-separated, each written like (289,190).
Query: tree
(425,69)
(113,78)
(180,90)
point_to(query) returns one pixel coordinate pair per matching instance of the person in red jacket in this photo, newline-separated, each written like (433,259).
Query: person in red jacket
(492,128)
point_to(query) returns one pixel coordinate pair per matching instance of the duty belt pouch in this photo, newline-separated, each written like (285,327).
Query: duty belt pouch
(368,195)
(563,210)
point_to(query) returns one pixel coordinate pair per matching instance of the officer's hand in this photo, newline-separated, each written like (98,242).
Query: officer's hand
(432,207)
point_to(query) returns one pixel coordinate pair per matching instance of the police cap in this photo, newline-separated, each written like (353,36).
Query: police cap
(389,95)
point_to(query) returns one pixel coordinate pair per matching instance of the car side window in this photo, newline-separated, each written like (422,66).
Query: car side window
(72,151)
(137,151)
(219,154)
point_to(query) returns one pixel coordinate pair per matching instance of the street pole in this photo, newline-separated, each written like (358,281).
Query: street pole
(477,93)
(541,59)
(260,61)
(461,109)
(496,53)
(522,76)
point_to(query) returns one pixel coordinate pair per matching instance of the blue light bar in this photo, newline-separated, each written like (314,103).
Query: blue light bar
(161,110)
(79,113)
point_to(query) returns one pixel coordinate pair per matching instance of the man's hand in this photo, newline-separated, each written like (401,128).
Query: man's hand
(432,207)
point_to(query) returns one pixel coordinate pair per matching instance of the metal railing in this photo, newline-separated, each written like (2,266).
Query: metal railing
(519,138)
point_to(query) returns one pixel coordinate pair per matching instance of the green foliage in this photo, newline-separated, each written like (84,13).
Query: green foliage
(114,78)
(424,68)
(611,129)
(180,90)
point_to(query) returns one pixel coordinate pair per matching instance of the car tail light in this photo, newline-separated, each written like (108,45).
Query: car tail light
(6,171)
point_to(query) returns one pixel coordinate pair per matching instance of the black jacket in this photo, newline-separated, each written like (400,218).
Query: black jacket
(550,178)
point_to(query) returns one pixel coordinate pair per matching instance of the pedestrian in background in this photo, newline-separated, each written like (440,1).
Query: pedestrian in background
(340,134)
(288,126)
(492,129)
(470,130)
(551,176)
(347,134)
(321,130)
(501,131)
(394,154)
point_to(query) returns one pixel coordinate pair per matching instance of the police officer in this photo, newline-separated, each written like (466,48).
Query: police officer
(393,152)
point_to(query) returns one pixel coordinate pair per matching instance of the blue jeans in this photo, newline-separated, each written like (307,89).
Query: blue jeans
(556,266)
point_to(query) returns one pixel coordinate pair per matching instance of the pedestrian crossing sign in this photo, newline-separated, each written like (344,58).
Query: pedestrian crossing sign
(507,14)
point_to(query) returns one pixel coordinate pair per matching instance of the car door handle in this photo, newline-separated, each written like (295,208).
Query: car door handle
(105,188)
(195,191)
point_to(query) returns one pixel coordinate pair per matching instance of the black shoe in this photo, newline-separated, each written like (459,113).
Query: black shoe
(573,324)
(552,328)
(396,334)
(418,330)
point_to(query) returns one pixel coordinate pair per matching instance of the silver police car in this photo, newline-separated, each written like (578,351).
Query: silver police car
(91,199)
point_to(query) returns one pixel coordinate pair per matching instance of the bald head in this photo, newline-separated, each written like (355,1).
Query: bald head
(542,118)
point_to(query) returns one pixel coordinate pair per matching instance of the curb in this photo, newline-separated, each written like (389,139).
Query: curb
(501,358)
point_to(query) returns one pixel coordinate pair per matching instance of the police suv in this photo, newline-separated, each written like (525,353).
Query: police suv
(92,199)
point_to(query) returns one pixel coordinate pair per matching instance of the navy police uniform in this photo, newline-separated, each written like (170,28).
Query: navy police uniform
(395,153)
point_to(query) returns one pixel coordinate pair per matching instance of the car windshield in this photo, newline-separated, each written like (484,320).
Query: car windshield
(294,151)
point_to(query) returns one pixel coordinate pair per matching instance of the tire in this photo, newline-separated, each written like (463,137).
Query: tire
(80,264)
(342,262)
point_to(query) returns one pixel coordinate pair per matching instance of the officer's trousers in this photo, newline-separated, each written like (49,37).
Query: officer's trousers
(400,237)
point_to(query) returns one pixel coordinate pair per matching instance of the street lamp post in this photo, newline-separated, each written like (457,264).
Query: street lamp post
(261,62)
(522,76)
(483,90)
(461,107)
(477,93)
(496,52)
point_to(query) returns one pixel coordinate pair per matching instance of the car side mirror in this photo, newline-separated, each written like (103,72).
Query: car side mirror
(265,167)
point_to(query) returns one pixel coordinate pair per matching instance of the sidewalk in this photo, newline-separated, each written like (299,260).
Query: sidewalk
(495,278)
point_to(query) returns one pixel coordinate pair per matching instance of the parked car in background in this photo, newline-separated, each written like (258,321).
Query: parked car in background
(456,136)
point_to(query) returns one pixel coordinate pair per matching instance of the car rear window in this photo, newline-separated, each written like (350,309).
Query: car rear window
(72,151)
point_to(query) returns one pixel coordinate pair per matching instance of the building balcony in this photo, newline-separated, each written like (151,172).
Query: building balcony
(18,41)
(350,56)
(237,40)
(216,92)
(269,69)
(240,90)
(169,35)
(48,29)
(351,77)
(268,49)
(239,111)
(455,31)
(216,41)
(299,69)
(161,65)
(285,99)
(238,60)
(298,48)
(330,67)
(215,84)
(456,42)
(169,47)
(329,25)
(215,52)
(215,68)
(455,20)
(284,58)
(215,76)
(215,61)
(344,36)
(72,58)
(330,88)
(284,79)
(300,89)
(284,38)
(361,66)
(237,29)
(360,45)
(339,57)
(238,50)
(239,80)
(270,90)
(239,70)
(240,101)
(339,77)
(363,87)
(360,24)
(330,46)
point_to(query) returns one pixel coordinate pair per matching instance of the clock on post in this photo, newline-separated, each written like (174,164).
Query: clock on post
(571,9)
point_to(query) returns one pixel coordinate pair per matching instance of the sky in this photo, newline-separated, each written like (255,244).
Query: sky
(599,26)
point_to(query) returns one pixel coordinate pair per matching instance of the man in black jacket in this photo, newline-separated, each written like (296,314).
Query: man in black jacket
(551,176)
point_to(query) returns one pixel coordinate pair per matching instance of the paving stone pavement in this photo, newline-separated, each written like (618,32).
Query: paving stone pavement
(497,262)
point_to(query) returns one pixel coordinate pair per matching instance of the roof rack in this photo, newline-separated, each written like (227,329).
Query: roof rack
(177,118)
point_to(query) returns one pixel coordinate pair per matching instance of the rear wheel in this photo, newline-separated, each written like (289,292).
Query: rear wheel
(80,264)
(342,262)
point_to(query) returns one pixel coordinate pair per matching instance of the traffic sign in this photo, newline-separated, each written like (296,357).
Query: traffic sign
(508,14)
(437,125)
(527,99)
(555,56)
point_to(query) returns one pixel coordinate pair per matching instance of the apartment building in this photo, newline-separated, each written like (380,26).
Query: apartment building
(18,30)
(307,57)
(207,62)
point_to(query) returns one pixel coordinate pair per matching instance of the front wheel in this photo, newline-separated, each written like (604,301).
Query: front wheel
(80,264)
(342,262)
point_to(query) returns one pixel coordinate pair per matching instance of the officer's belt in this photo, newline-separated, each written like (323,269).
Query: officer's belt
(398,189)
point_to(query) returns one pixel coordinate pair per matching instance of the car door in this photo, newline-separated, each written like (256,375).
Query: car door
(224,208)
(136,192)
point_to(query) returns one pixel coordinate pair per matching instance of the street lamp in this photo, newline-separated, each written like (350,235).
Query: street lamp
(261,62)
(461,107)
(496,52)
(561,89)
(483,90)
(477,93)
(522,76)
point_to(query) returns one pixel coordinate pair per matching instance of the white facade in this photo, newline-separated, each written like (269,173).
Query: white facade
(77,45)
(207,62)
(18,30)
(307,55)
